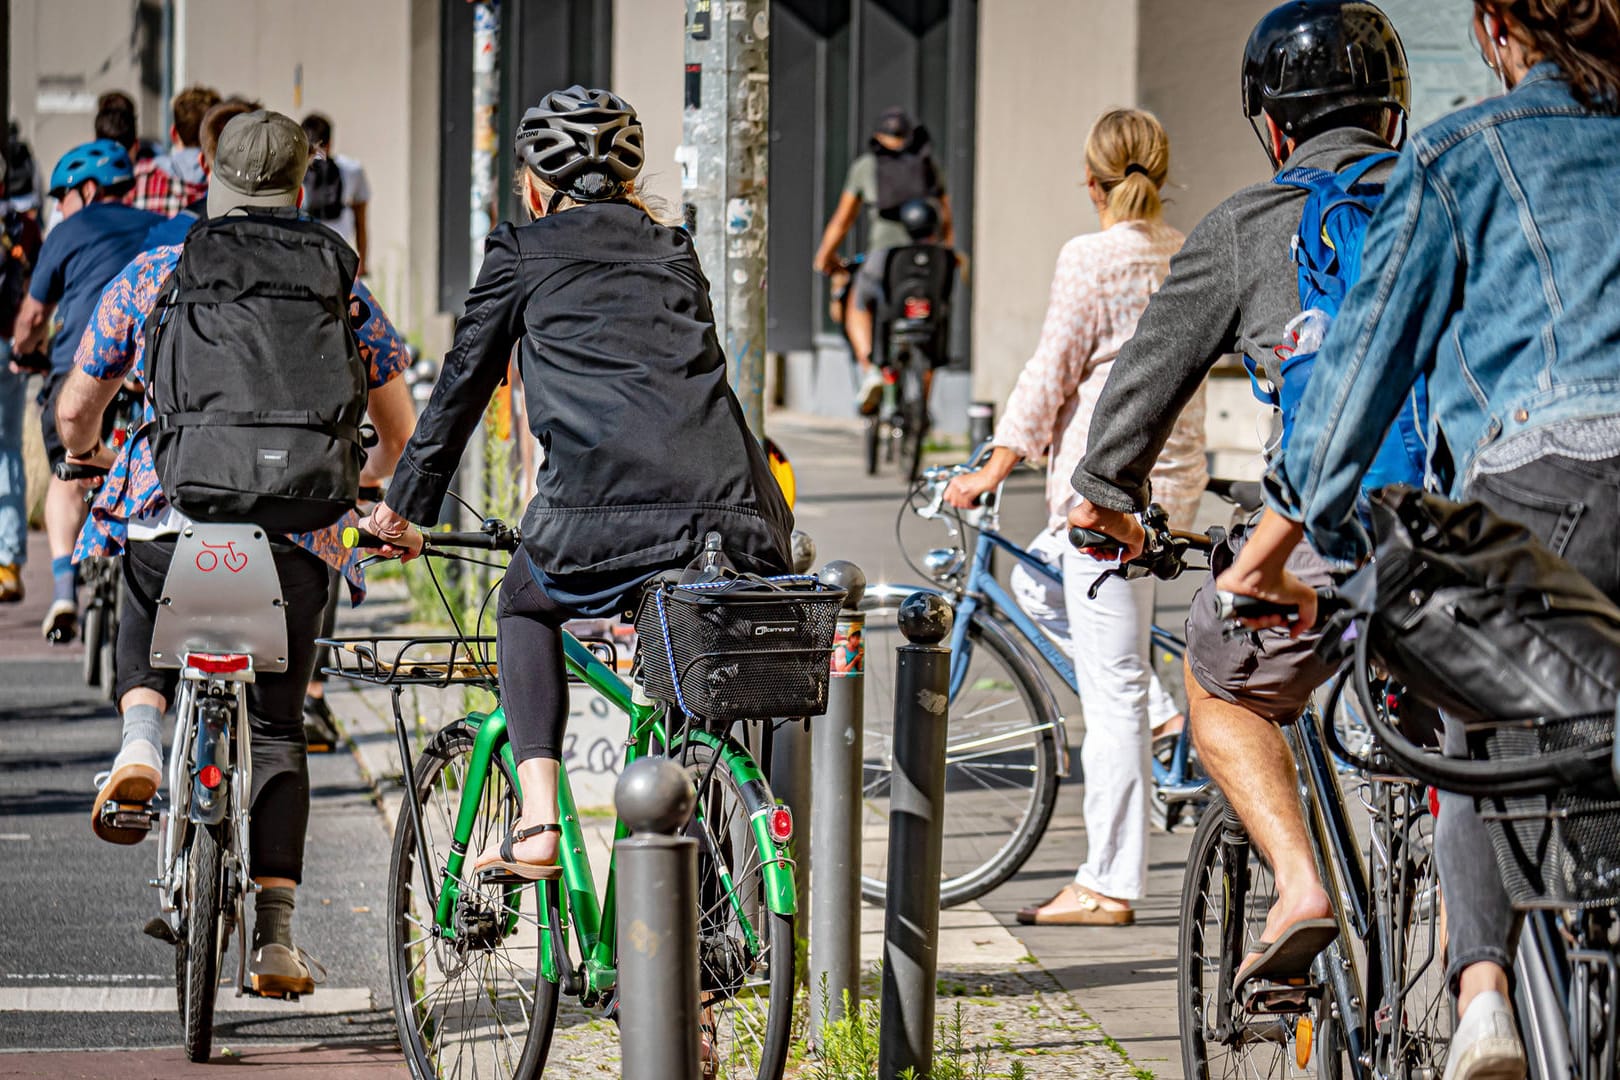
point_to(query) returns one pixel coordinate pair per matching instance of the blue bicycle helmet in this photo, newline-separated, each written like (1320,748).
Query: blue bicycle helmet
(103,161)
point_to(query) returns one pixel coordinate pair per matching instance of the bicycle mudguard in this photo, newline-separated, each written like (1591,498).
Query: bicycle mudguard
(781,895)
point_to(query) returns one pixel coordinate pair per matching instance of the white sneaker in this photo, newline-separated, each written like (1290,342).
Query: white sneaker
(61,623)
(870,393)
(1486,1044)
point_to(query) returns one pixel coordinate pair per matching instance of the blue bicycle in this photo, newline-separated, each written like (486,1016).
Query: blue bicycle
(1009,744)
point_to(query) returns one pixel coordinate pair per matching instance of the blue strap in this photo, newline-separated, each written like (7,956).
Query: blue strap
(1261,394)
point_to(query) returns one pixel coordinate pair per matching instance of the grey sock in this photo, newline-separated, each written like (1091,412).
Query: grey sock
(273,912)
(143,722)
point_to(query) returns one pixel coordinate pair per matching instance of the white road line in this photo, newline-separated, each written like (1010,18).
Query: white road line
(21,837)
(142,999)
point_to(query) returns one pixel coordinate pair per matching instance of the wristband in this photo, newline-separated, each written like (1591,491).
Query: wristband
(88,454)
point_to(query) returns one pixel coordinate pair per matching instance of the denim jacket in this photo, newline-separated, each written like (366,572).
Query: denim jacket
(1492,267)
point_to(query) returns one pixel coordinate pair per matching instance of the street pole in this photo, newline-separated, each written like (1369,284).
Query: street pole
(835,840)
(790,763)
(725,156)
(916,799)
(657,924)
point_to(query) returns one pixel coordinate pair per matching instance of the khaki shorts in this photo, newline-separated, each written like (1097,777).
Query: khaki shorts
(1265,671)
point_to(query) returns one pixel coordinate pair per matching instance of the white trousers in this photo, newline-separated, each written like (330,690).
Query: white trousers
(1109,638)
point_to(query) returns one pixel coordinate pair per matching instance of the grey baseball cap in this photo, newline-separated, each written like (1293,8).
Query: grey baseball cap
(260,161)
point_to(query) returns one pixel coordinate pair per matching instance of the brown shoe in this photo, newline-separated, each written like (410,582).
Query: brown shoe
(1087,910)
(134,779)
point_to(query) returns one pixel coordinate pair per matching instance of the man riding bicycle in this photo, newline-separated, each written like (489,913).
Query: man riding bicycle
(1233,288)
(897,170)
(258,170)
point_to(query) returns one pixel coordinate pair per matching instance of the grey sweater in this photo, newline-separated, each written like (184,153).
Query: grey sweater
(1233,288)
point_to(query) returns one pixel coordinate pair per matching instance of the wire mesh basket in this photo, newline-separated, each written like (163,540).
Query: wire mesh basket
(743,648)
(1562,849)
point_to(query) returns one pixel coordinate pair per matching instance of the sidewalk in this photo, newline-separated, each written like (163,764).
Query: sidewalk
(1065,1002)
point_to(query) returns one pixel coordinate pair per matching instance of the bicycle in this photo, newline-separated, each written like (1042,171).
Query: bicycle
(219,638)
(478,967)
(1009,741)
(98,629)
(1376,1003)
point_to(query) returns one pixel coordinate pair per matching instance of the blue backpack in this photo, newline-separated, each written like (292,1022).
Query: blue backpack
(1327,249)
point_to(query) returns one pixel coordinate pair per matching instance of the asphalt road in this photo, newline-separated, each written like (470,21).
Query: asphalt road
(76,973)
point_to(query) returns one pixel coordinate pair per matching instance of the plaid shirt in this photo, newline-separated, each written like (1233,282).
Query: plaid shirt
(113,346)
(157,191)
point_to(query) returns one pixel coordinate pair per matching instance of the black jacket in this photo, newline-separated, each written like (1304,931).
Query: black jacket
(644,443)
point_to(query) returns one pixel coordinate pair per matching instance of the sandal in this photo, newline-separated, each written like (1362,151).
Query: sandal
(501,867)
(1089,912)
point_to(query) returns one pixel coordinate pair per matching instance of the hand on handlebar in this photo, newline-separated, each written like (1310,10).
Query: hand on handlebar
(101,462)
(1282,588)
(1124,528)
(383,522)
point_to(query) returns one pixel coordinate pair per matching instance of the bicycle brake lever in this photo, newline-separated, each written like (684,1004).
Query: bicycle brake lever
(1113,571)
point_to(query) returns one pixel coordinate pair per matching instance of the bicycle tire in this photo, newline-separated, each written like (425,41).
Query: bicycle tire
(968,871)
(914,409)
(414,959)
(94,628)
(201,947)
(872,436)
(721,825)
(1258,1046)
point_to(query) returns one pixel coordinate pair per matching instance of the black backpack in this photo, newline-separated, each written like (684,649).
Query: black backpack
(904,175)
(323,189)
(257,385)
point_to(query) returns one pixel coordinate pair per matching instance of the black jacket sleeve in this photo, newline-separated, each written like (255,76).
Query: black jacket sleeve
(472,371)
(1190,323)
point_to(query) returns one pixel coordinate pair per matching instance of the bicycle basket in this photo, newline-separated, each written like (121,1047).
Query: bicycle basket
(741,649)
(1559,850)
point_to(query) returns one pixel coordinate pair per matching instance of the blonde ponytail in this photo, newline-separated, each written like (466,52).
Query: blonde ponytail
(1128,154)
(651,205)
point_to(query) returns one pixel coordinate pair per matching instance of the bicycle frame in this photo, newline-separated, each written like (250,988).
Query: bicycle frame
(594,921)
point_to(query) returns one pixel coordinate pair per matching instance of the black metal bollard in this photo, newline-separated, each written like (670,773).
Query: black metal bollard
(657,924)
(916,797)
(835,844)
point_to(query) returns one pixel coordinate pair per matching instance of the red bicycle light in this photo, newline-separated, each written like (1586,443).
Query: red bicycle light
(217,663)
(781,824)
(210,776)
(918,307)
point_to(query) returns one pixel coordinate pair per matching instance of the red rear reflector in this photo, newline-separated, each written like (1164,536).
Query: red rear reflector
(1434,802)
(210,776)
(217,663)
(781,824)
(918,307)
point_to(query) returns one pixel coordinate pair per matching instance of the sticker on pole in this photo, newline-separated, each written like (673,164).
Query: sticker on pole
(849,652)
(697,22)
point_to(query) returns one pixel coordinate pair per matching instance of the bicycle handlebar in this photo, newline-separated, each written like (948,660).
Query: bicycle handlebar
(495,536)
(70,471)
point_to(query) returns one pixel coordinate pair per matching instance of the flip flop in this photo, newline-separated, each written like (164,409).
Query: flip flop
(1089,913)
(1290,956)
(132,782)
(504,868)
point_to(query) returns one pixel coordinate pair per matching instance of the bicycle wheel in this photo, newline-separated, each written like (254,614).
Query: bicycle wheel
(201,947)
(745,950)
(92,632)
(872,436)
(475,1004)
(914,409)
(1224,899)
(1000,766)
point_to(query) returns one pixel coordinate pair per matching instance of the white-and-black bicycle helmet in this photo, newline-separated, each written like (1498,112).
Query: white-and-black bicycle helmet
(585,144)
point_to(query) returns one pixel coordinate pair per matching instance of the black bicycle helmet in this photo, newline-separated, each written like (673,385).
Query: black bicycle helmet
(585,144)
(1309,59)
(920,218)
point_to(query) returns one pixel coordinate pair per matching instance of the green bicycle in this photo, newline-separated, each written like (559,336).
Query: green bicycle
(478,968)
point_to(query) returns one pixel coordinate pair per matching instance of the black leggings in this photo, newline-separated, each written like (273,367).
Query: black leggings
(275,701)
(529,657)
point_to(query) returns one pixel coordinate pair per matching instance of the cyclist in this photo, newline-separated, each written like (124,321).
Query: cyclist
(1329,80)
(19,247)
(169,183)
(1492,273)
(896,169)
(1103,282)
(96,236)
(173,230)
(259,165)
(645,446)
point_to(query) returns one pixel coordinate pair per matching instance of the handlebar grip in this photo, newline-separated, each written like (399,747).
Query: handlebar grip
(1096,541)
(1230,607)
(68,471)
(356,537)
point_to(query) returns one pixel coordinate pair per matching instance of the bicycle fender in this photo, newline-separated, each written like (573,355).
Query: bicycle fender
(781,894)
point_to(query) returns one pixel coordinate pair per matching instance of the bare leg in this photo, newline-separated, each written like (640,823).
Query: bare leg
(1478,978)
(858,325)
(64,516)
(1248,759)
(539,778)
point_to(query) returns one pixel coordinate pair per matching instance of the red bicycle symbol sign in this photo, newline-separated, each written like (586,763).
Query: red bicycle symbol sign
(210,557)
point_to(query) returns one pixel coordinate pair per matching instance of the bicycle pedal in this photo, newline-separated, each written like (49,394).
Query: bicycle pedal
(128,815)
(158,927)
(1280,998)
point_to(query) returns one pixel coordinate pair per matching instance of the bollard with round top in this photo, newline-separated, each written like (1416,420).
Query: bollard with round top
(911,905)
(657,924)
(835,843)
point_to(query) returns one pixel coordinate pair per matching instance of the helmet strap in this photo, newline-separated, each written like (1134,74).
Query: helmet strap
(1263,135)
(557,196)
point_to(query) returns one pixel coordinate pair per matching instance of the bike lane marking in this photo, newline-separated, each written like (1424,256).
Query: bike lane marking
(142,999)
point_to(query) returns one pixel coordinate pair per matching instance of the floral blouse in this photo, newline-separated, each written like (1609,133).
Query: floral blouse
(113,346)
(1102,284)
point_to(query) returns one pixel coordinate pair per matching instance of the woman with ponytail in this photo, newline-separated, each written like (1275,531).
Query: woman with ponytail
(1102,284)
(1493,271)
